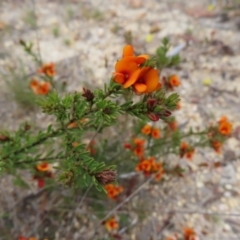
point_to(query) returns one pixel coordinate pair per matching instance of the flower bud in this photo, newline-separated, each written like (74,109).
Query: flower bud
(106,176)
(153,116)
(151,102)
(88,94)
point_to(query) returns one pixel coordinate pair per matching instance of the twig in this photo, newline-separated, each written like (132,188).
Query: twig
(125,201)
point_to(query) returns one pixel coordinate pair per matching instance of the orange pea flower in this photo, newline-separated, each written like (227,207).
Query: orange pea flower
(225,128)
(22,238)
(173,125)
(144,80)
(223,119)
(155,133)
(146,129)
(144,166)
(128,54)
(139,147)
(111,224)
(189,234)
(48,69)
(148,166)
(139,141)
(113,191)
(128,72)
(40,87)
(189,154)
(174,81)
(186,150)
(43,167)
(217,146)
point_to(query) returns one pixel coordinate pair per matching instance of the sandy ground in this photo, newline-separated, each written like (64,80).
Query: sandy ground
(81,37)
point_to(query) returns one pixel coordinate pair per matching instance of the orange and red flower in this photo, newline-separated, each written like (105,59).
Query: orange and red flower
(147,129)
(48,69)
(40,87)
(129,73)
(187,151)
(173,125)
(149,166)
(217,146)
(225,127)
(111,224)
(155,133)
(42,172)
(139,147)
(174,81)
(43,167)
(189,234)
(113,191)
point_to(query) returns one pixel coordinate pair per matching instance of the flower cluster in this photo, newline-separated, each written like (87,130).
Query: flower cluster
(42,87)
(131,72)
(113,191)
(218,134)
(147,130)
(186,150)
(42,171)
(150,166)
(188,234)
(48,69)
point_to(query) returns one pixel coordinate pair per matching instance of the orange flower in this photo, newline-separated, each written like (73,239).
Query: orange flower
(138,151)
(223,120)
(148,166)
(189,234)
(217,146)
(186,150)
(128,73)
(32,238)
(144,165)
(111,224)
(174,81)
(40,88)
(155,133)
(43,167)
(48,69)
(128,54)
(113,191)
(173,125)
(22,238)
(146,129)
(144,80)
(189,154)
(139,148)
(123,70)
(225,128)
(139,141)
